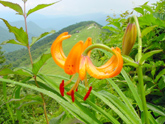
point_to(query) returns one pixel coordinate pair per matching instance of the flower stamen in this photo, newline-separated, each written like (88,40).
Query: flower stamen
(62,88)
(74,86)
(72,95)
(88,93)
(69,80)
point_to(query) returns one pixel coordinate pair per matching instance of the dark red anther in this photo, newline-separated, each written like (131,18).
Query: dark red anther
(62,88)
(88,93)
(76,89)
(72,95)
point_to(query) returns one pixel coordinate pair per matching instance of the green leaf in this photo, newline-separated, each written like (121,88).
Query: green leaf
(38,7)
(30,103)
(147,55)
(35,39)
(7,104)
(162,72)
(37,66)
(20,34)
(7,71)
(12,41)
(156,109)
(133,89)
(122,107)
(94,106)
(161,83)
(71,121)
(57,119)
(148,8)
(147,30)
(139,9)
(129,61)
(13,6)
(161,119)
(75,108)
(18,112)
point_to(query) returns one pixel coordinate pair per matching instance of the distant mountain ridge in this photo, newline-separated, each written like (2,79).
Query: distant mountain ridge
(21,56)
(38,24)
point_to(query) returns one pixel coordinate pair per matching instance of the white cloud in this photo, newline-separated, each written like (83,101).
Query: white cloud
(78,7)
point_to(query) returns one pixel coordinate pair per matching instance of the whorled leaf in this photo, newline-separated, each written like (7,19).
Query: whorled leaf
(38,7)
(20,35)
(147,55)
(13,6)
(35,39)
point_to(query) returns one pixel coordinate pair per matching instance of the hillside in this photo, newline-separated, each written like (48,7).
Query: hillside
(86,29)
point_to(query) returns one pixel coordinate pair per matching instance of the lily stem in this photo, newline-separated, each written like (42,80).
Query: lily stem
(93,46)
(140,72)
(31,60)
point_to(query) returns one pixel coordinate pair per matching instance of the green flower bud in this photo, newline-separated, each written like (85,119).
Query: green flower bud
(129,38)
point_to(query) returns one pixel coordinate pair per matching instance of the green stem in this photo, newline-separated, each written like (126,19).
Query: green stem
(140,72)
(93,46)
(102,46)
(139,38)
(142,91)
(35,78)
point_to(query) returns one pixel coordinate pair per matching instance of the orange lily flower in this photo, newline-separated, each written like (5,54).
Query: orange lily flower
(76,62)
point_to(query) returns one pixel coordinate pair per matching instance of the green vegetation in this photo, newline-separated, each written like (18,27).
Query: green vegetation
(31,94)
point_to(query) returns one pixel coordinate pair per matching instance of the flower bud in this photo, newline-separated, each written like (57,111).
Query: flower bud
(129,38)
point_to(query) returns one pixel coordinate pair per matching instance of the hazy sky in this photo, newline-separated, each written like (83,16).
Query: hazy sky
(78,7)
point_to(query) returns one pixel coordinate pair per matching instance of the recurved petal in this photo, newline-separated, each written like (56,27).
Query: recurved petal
(82,67)
(56,49)
(111,69)
(87,43)
(73,60)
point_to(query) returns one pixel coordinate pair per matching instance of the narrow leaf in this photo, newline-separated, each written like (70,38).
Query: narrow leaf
(13,6)
(133,89)
(94,106)
(156,109)
(7,71)
(147,55)
(162,72)
(12,41)
(122,107)
(20,34)
(147,30)
(7,104)
(37,66)
(38,7)
(129,61)
(57,119)
(30,103)
(35,39)
(161,120)
(71,121)
(74,108)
